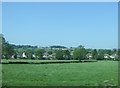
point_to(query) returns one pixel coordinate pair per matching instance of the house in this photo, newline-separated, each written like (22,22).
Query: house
(89,56)
(13,56)
(113,56)
(45,55)
(106,56)
(33,55)
(24,55)
(53,55)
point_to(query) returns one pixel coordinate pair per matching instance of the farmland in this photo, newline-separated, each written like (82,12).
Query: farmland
(101,73)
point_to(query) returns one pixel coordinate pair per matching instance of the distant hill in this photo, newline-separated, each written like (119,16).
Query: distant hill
(23,46)
(57,46)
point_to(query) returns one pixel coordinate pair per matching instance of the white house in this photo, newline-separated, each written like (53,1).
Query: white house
(106,56)
(33,55)
(12,57)
(113,56)
(89,55)
(24,55)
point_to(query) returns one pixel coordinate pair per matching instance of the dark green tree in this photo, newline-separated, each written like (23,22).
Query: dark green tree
(66,55)
(29,53)
(100,54)
(7,49)
(39,54)
(59,54)
(94,54)
(50,52)
(80,53)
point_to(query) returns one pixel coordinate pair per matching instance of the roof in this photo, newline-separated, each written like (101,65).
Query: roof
(46,54)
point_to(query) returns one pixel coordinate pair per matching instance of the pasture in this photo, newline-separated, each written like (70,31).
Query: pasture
(101,73)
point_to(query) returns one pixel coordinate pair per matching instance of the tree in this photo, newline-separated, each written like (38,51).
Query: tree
(66,54)
(39,53)
(50,52)
(110,52)
(94,54)
(57,46)
(7,49)
(100,54)
(79,53)
(59,54)
(29,53)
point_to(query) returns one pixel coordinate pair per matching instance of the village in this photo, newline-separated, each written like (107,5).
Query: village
(51,56)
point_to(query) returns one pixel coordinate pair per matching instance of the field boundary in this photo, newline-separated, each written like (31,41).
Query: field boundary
(20,62)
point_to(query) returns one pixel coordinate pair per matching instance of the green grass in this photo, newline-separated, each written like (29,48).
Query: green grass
(102,73)
(28,61)
(18,60)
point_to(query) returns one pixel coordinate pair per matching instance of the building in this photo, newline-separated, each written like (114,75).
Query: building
(45,55)
(106,56)
(89,56)
(24,55)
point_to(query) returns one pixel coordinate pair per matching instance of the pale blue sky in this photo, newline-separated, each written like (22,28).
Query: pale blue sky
(92,24)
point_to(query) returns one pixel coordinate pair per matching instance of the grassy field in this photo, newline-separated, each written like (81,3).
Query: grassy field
(18,60)
(99,73)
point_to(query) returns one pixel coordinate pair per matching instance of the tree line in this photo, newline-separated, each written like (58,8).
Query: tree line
(79,53)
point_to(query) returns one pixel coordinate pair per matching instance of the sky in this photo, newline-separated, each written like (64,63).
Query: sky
(70,24)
